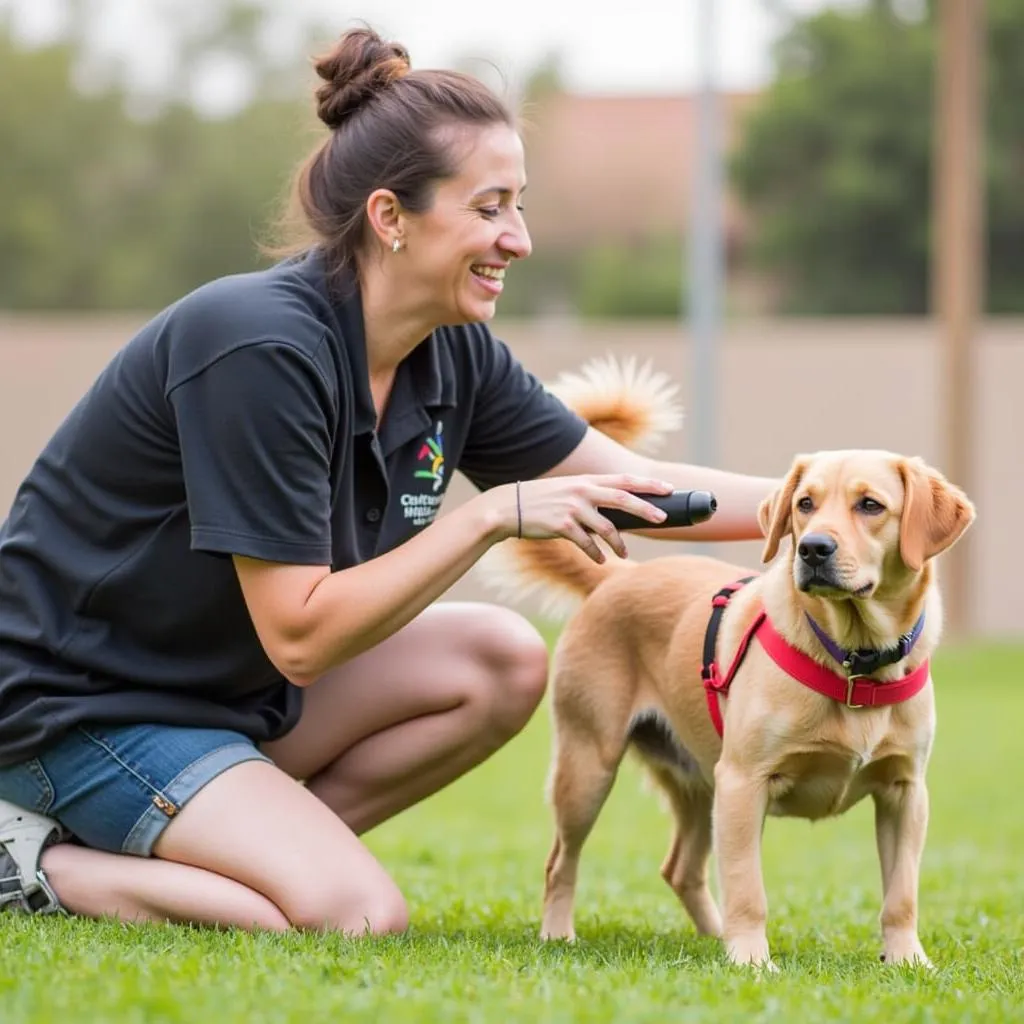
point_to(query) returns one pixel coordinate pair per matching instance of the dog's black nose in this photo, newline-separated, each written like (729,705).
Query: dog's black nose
(816,548)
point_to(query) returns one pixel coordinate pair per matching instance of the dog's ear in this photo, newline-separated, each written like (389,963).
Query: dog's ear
(935,513)
(774,514)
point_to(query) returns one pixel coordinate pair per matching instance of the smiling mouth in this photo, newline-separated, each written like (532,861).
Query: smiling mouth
(495,275)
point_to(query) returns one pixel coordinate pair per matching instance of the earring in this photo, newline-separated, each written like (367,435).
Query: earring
(396,245)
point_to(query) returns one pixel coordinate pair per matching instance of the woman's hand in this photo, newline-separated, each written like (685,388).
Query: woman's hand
(567,506)
(309,618)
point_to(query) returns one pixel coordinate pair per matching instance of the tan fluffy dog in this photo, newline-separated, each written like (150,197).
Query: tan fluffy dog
(866,527)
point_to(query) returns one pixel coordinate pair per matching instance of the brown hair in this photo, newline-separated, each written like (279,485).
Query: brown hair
(385,124)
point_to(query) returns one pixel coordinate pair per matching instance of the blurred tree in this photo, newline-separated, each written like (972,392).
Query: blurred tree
(56,177)
(834,164)
(634,277)
(1006,156)
(113,203)
(635,281)
(546,79)
(111,211)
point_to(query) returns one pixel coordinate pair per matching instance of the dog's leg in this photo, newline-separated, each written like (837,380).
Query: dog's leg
(901,824)
(885,839)
(685,868)
(740,805)
(580,784)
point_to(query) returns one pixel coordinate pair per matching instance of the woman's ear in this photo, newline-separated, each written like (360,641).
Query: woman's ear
(385,217)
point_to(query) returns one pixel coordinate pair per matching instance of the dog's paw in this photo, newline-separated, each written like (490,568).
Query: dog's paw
(750,951)
(550,933)
(905,949)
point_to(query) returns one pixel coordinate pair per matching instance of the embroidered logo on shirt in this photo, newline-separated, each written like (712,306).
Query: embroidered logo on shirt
(432,453)
(421,509)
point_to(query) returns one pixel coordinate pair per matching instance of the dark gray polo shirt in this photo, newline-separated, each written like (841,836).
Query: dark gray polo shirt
(238,421)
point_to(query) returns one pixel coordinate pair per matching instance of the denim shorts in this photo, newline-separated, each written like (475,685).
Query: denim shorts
(116,788)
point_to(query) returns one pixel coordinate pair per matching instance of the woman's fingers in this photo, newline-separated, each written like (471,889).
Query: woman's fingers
(636,484)
(595,523)
(629,502)
(574,529)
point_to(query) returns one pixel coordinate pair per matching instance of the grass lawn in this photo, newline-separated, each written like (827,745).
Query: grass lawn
(471,860)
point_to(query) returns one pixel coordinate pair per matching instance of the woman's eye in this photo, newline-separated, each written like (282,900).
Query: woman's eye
(490,211)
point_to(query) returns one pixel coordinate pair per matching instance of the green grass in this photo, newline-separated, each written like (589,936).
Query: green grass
(470,861)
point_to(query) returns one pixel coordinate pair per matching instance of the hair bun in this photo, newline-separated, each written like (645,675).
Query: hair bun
(359,67)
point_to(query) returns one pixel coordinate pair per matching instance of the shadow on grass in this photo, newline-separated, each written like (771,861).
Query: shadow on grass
(601,945)
(614,948)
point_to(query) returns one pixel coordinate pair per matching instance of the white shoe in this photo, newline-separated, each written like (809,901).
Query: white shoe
(23,837)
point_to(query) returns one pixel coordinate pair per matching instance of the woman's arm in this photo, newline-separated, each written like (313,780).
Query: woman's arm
(309,619)
(738,494)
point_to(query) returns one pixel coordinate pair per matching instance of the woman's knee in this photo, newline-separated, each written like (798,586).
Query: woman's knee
(336,905)
(312,868)
(515,659)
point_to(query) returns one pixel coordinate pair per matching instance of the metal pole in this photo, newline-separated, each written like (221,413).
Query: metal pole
(958,258)
(704,271)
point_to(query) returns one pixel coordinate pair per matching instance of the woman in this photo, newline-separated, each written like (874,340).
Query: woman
(220,575)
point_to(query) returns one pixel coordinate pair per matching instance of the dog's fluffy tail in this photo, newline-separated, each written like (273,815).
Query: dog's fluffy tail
(631,403)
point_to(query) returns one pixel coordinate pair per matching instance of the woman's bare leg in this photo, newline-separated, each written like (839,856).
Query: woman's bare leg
(259,827)
(93,883)
(253,848)
(403,720)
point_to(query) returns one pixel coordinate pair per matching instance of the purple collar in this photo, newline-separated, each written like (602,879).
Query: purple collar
(865,660)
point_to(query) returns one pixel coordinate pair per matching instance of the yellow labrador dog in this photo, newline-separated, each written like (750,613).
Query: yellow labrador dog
(798,691)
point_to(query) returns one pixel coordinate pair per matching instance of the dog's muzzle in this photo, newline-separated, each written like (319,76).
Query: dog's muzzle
(815,549)
(816,567)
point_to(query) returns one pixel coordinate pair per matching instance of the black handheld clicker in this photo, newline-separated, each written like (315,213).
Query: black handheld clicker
(684,508)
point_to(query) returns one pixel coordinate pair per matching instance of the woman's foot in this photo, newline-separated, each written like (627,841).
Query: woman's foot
(23,837)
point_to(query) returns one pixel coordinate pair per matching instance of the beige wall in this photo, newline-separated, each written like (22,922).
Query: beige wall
(786,386)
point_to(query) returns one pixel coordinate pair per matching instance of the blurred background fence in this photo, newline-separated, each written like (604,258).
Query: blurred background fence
(786,386)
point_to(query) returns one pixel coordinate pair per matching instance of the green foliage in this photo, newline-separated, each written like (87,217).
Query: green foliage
(1005,180)
(835,163)
(50,216)
(109,211)
(633,280)
(543,284)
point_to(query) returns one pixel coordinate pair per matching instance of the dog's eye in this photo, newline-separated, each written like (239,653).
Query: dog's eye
(805,505)
(870,506)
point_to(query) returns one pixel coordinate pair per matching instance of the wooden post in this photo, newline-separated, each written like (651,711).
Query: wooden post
(958,259)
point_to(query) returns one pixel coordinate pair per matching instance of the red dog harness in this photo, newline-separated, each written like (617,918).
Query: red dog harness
(854,690)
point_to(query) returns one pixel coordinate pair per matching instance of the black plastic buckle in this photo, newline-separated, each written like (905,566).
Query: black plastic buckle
(864,662)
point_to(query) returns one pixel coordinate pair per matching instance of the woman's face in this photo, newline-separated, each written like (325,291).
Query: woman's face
(455,254)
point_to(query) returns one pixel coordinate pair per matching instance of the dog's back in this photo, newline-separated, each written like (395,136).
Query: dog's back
(603,656)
